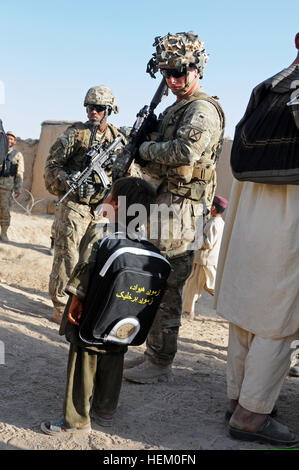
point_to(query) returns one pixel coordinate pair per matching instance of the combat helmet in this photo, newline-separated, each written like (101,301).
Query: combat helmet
(178,51)
(101,95)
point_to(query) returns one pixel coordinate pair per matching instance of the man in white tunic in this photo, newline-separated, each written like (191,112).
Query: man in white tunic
(203,274)
(257,292)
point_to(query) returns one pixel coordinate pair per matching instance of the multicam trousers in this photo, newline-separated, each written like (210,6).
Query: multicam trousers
(161,343)
(70,225)
(5,204)
(184,230)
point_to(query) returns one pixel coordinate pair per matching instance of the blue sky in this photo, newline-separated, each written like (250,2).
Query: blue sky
(53,51)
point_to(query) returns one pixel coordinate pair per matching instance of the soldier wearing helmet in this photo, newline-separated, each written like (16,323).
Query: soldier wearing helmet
(181,158)
(67,156)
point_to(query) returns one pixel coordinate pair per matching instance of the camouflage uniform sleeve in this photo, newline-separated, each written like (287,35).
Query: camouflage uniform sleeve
(55,175)
(193,135)
(88,249)
(112,132)
(18,181)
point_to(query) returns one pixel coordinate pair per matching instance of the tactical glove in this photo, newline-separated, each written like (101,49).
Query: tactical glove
(87,188)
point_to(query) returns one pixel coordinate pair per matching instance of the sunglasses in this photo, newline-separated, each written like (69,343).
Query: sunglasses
(167,73)
(96,107)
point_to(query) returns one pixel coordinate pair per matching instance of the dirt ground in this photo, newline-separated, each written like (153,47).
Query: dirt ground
(184,414)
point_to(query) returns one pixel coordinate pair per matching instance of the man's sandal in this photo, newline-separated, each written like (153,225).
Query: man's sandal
(54,428)
(271,432)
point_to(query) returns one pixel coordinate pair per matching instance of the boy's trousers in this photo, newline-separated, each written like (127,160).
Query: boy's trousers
(94,381)
(202,277)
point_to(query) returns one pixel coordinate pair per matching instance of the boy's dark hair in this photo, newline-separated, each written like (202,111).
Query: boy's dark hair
(136,191)
(219,209)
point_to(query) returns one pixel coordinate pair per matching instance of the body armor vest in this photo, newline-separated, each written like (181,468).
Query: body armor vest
(9,167)
(190,181)
(78,144)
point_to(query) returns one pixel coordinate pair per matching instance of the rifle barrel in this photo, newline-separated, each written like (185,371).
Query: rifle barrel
(158,95)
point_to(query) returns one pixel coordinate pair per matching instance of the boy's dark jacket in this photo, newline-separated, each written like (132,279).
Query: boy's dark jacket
(89,244)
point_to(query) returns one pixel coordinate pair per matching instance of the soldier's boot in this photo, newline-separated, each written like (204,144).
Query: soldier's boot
(51,250)
(4,236)
(57,316)
(148,373)
(136,361)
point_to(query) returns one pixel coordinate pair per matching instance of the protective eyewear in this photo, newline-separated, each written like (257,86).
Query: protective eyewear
(96,107)
(167,73)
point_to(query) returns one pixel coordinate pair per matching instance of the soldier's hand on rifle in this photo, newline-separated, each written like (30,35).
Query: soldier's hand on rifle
(87,188)
(71,178)
(108,165)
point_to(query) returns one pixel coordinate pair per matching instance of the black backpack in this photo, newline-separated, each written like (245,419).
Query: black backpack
(125,292)
(266,141)
(3,148)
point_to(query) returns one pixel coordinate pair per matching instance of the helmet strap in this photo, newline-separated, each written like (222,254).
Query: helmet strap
(106,114)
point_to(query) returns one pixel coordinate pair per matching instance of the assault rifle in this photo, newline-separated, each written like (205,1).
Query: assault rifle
(98,161)
(143,125)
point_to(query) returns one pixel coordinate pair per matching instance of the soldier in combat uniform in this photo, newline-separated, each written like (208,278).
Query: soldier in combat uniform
(11,181)
(74,214)
(181,158)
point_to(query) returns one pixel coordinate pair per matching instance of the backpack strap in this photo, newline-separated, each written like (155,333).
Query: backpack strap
(132,250)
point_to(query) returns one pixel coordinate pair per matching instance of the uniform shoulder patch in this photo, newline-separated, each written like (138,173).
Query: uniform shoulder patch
(194,135)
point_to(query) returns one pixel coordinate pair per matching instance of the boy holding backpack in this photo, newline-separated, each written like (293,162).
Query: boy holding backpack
(94,372)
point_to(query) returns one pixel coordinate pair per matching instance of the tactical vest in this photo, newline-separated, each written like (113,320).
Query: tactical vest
(82,141)
(190,181)
(10,168)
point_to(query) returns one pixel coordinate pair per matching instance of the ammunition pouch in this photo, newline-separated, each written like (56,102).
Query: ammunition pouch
(189,182)
(194,191)
(180,174)
(200,173)
(188,173)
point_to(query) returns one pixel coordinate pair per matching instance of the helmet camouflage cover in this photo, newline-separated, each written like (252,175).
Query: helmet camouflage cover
(101,95)
(176,51)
